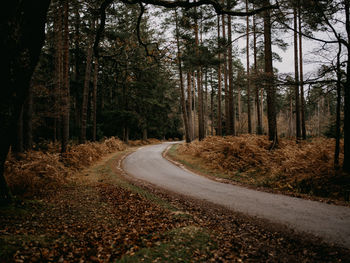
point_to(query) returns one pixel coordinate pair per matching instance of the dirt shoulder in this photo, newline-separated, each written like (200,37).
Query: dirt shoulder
(103,215)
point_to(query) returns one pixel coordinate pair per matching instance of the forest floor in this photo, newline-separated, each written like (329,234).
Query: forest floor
(101,215)
(303,170)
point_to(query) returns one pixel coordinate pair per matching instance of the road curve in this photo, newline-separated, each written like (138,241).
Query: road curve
(330,222)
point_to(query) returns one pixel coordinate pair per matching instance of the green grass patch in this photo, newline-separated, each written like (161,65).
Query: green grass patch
(187,244)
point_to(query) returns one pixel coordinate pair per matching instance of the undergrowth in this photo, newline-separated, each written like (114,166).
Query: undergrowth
(34,172)
(304,167)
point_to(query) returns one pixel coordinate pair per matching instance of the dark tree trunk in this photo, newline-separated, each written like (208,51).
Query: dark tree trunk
(65,86)
(231,116)
(205,109)
(94,100)
(257,96)
(346,163)
(189,104)
(248,75)
(200,89)
(58,28)
(84,106)
(212,106)
(17,146)
(144,134)
(22,30)
(231,111)
(225,78)
(269,82)
(296,79)
(194,105)
(27,120)
(219,125)
(301,77)
(337,130)
(183,103)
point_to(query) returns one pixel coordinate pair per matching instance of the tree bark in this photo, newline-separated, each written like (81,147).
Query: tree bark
(337,130)
(346,163)
(301,77)
(22,30)
(248,75)
(65,86)
(94,100)
(212,105)
(183,103)
(269,82)
(28,120)
(219,120)
(231,111)
(189,104)
(17,146)
(194,106)
(257,96)
(58,28)
(199,87)
(86,89)
(226,128)
(296,79)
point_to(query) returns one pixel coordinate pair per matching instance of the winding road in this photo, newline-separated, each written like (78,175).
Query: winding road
(330,222)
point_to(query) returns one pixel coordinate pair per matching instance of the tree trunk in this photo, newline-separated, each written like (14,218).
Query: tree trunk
(346,163)
(231,111)
(22,29)
(189,105)
(301,77)
(94,100)
(337,130)
(200,90)
(27,120)
(183,103)
(205,110)
(58,28)
(226,128)
(212,105)
(86,89)
(144,134)
(219,120)
(65,86)
(248,75)
(257,96)
(18,143)
(194,105)
(296,79)
(269,82)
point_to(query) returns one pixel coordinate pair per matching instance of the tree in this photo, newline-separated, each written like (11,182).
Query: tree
(302,101)
(23,35)
(86,87)
(231,110)
(296,78)
(183,103)
(219,119)
(65,84)
(269,81)
(248,74)
(257,96)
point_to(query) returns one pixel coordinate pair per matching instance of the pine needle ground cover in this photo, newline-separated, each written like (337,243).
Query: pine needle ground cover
(294,168)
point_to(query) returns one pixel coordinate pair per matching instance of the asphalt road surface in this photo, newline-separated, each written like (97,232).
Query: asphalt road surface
(330,222)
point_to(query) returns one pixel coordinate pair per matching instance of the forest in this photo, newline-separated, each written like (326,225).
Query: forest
(257,93)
